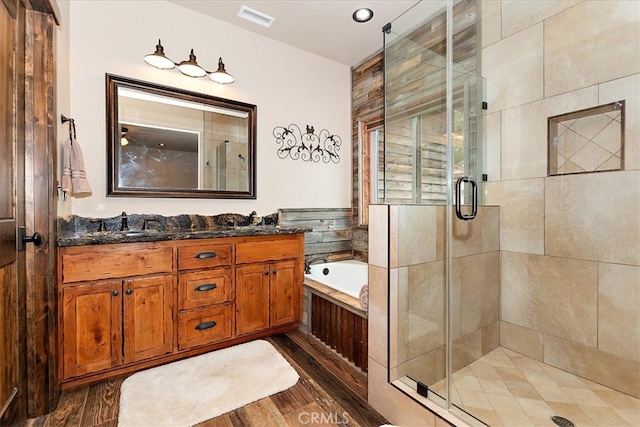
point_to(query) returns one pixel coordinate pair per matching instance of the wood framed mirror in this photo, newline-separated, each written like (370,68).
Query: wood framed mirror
(168,142)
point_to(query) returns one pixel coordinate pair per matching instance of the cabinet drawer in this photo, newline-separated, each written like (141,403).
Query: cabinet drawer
(204,326)
(203,256)
(201,288)
(110,263)
(267,250)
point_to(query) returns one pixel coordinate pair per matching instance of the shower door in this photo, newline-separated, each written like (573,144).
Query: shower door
(433,157)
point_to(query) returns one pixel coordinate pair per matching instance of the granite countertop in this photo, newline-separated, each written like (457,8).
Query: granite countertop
(81,231)
(107,237)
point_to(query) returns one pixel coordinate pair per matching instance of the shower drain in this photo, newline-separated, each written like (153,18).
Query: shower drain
(561,421)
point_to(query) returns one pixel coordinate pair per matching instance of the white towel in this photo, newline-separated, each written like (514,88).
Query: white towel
(74,177)
(364,297)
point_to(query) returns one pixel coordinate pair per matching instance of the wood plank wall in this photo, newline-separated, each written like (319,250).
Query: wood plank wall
(343,331)
(367,100)
(366,107)
(332,231)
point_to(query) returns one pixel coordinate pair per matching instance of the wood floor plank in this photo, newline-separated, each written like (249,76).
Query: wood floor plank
(326,388)
(356,407)
(292,399)
(320,396)
(351,376)
(103,402)
(239,418)
(70,409)
(36,422)
(264,413)
(312,415)
(221,421)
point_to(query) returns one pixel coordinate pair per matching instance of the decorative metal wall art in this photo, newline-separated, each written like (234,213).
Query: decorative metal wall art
(307,146)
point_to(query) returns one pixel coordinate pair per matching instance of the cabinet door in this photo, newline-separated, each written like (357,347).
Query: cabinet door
(148,317)
(285,299)
(252,298)
(92,317)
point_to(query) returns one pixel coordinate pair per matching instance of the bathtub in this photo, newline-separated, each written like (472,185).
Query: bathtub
(333,313)
(345,276)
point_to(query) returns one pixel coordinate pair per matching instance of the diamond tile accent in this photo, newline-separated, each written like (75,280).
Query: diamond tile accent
(505,388)
(587,141)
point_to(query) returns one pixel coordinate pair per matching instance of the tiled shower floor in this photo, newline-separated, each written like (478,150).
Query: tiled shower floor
(504,388)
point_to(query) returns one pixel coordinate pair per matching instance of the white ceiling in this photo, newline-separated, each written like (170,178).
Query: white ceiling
(323,27)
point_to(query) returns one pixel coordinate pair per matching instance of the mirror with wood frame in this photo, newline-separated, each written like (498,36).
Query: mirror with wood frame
(168,142)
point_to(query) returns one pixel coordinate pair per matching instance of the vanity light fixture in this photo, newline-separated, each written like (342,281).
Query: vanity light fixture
(189,67)
(158,59)
(362,15)
(220,75)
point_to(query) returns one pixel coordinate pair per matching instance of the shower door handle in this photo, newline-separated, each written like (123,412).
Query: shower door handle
(474,198)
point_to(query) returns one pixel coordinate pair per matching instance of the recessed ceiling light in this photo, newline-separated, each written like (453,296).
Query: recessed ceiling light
(362,15)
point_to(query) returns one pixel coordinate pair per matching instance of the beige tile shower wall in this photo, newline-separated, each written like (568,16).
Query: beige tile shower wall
(556,296)
(521,214)
(475,306)
(570,244)
(594,216)
(475,286)
(386,399)
(618,302)
(400,409)
(577,39)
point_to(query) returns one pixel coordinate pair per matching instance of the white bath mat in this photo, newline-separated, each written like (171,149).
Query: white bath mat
(193,390)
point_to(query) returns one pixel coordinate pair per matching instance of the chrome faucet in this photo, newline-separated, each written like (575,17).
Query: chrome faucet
(125,223)
(307,263)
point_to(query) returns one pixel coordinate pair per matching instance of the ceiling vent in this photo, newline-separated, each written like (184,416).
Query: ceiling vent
(255,16)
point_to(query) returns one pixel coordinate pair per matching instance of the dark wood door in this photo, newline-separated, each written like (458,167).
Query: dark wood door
(13,391)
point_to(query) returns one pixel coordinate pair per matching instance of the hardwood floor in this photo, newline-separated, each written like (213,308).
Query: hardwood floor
(330,392)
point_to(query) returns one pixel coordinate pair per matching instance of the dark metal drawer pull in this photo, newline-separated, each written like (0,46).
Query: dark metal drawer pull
(203,255)
(205,325)
(207,287)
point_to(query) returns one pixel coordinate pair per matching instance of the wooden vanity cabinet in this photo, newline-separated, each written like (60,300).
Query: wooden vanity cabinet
(205,311)
(121,320)
(269,277)
(130,306)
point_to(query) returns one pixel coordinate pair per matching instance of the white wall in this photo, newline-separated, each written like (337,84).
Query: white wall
(61,52)
(288,85)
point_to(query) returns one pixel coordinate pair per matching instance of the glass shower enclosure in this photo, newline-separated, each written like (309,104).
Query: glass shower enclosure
(433,157)
(514,271)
